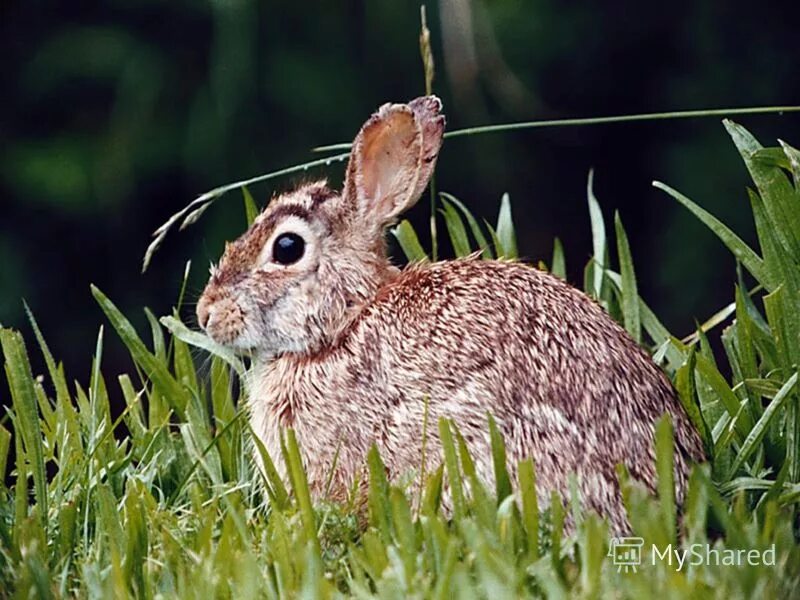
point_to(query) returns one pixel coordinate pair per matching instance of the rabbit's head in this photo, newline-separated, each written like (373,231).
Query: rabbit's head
(311,261)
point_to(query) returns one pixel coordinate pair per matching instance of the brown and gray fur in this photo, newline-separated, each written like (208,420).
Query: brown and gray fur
(347,349)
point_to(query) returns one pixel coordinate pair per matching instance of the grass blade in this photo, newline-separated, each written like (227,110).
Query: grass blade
(780,200)
(558,265)
(273,481)
(202,341)
(756,435)
(250,209)
(598,237)
(456,229)
(630,294)
(380,510)
(666,478)
(793,156)
(23,397)
(743,253)
(530,507)
(505,229)
(409,242)
(474,226)
(156,370)
(56,375)
(192,211)
(499,462)
(685,385)
(5,444)
(451,465)
(482,507)
(727,397)
(297,475)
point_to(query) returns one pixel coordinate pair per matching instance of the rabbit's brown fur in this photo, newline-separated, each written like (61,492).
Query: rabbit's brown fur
(348,349)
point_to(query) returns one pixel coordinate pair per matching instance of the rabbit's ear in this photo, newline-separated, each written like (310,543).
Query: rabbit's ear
(393,158)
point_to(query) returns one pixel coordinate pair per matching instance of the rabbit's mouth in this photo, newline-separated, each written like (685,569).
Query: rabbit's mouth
(225,322)
(247,330)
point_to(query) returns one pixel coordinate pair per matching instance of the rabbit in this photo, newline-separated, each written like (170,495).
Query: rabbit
(351,351)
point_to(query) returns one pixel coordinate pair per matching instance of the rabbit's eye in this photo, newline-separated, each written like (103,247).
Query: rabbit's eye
(288,248)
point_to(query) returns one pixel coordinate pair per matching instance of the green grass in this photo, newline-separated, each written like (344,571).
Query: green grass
(164,500)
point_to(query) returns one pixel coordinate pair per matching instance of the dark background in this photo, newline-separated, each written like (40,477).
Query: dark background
(116,114)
